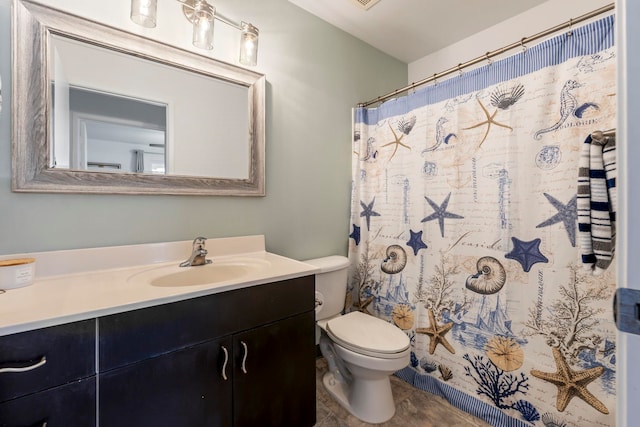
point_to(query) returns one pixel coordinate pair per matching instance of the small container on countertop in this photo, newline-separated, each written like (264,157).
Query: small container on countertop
(16,273)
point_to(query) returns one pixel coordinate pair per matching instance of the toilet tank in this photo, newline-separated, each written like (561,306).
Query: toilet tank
(331,284)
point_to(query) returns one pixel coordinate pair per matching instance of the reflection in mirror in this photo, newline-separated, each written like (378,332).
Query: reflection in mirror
(112,112)
(108,133)
(122,147)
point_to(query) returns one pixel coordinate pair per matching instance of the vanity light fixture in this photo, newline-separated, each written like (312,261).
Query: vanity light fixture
(202,15)
(143,12)
(248,44)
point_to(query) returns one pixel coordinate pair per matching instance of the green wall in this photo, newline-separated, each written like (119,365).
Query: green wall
(315,74)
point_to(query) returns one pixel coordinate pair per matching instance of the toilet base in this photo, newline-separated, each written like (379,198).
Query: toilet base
(372,400)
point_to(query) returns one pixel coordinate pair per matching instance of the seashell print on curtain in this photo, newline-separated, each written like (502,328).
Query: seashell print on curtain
(464,233)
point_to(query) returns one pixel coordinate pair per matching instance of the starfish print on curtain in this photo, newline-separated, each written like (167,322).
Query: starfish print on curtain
(489,121)
(571,383)
(437,333)
(567,214)
(355,234)
(440,213)
(368,212)
(405,127)
(526,253)
(415,242)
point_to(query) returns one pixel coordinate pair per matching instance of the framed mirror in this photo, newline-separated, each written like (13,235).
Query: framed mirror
(100,110)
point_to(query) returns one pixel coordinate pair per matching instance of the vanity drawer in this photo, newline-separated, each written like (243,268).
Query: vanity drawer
(69,405)
(56,355)
(140,334)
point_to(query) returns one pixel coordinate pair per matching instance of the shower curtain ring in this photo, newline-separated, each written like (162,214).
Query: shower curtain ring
(524,47)
(489,62)
(460,68)
(435,79)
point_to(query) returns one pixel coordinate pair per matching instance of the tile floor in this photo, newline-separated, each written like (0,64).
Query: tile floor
(414,408)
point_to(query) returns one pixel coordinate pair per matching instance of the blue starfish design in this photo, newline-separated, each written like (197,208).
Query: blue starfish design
(440,213)
(526,253)
(568,214)
(368,212)
(355,235)
(415,242)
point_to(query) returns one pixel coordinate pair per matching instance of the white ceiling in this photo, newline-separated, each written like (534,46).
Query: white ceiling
(412,29)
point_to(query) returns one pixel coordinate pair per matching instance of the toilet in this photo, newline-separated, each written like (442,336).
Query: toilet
(361,350)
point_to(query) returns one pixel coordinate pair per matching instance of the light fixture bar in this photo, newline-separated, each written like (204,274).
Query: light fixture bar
(189,6)
(228,22)
(202,15)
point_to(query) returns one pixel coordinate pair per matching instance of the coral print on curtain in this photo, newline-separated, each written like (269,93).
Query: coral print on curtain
(465,233)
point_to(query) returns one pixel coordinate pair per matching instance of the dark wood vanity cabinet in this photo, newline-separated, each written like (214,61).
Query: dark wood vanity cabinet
(241,358)
(48,376)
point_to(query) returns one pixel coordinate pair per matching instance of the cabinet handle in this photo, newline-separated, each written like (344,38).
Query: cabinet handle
(244,358)
(224,365)
(26,368)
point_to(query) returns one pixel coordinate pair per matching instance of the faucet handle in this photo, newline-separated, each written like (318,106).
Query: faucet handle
(198,242)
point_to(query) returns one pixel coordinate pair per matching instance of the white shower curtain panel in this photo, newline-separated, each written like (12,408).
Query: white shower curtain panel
(464,233)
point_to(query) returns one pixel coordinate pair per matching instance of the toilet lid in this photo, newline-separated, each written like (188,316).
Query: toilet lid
(368,333)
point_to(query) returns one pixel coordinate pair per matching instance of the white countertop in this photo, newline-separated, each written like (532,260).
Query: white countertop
(86,283)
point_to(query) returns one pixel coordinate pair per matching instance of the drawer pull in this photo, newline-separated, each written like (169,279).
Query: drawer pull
(244,358)
(42,362)
(224,365)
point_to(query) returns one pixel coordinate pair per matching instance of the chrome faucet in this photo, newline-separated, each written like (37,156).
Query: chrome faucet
(198,255)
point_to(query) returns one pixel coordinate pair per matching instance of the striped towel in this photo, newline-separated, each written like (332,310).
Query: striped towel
(597,202)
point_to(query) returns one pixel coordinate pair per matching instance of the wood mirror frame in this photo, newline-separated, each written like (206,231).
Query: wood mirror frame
(32,25)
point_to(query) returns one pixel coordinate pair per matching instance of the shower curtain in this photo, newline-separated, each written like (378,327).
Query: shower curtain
(464,233)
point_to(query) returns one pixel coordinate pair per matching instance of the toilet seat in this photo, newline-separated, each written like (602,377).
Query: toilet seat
(368,335)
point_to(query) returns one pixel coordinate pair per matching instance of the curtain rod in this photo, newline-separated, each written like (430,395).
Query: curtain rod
(488,55)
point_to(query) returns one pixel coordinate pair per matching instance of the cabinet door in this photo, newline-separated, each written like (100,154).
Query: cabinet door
(69,405)
(46,358)
(274,374)
(181,388)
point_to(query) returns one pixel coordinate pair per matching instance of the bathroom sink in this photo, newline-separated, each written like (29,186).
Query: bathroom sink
(216,272)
